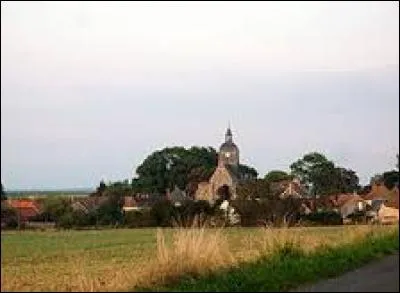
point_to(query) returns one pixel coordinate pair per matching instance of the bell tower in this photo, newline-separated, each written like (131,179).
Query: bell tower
(228,152)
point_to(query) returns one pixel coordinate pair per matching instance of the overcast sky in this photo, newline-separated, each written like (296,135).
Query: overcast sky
(90,89)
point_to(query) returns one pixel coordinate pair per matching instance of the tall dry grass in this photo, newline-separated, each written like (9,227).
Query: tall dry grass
(190,251)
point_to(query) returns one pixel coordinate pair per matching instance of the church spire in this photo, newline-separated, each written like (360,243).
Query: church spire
(228,134)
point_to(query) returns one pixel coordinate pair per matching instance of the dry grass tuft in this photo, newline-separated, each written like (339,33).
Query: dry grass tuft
(192,252)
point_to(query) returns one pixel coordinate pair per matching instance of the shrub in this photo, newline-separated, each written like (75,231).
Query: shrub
(161,212)
(324,218)
(189,213)
(139,219)
(252,212)
(192,213)
(66,221)
(8,216)
(263,212)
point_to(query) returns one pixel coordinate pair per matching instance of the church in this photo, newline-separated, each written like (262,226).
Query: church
(226,176)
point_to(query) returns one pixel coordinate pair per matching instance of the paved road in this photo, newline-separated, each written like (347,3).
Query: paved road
(380,276)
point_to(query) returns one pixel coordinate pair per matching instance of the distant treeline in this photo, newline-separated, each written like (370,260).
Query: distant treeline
(27,193)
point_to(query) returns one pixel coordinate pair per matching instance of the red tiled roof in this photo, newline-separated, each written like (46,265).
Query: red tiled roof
(129,201)
(26,213)
(23,204)
(339,200)
(393,198)
(378,191)
(25,208)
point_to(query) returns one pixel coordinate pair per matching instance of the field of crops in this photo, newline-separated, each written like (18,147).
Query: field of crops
(121,259)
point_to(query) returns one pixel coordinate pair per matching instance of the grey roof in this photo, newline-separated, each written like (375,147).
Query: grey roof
(228,146)
(177,194)
(233,171)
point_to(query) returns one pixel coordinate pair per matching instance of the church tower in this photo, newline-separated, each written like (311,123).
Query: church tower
(228,152)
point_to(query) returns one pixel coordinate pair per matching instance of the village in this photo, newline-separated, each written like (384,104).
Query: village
(289,202)
(199,146)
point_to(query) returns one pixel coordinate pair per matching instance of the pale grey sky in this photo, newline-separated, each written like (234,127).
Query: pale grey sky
(89,89)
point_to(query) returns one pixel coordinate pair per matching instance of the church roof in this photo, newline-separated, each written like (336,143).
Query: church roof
(228,146)
(233,171)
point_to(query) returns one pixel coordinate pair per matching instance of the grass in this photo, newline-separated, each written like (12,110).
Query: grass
(289,266)
(129,259)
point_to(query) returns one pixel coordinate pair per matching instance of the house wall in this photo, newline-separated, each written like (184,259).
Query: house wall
(388,215)
(351,207)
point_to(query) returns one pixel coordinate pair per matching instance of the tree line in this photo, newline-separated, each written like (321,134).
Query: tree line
(185,168)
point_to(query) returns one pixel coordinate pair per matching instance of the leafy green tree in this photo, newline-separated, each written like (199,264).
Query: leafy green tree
(177,166)
(102,187)
(9,215)
(276,175)
(54,207)
(3,193)
(347,180)
(390,178)
(172,166)
(322,177)
(162,212)
(376,179)
(254,189)
(312,169)
(247,172)
(110,212)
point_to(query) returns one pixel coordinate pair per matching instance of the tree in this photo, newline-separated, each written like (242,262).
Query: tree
(390,178)
(177,166)
(312,170)
(9,215)
(276,175)
(3,193)
(254,189)
(110,212)
(347,180)
(54,208)
(322,177)
(162,212)
(247,172)
(377,179)
(102,187)
(171,166)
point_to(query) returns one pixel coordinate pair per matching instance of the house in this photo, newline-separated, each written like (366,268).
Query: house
(379,212)
(350,204)
(88,204)
(177,196)
(26,208)
(288,188)
(143,202)
(130,204)
(383,203)
(387,215)
(380,191)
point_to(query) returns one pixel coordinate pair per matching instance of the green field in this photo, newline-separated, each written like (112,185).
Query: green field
(121,259)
